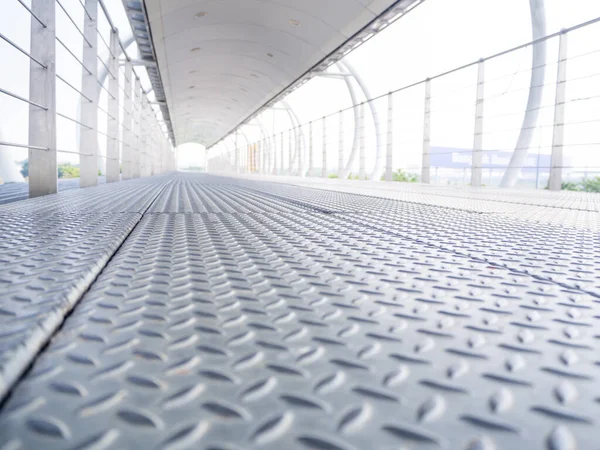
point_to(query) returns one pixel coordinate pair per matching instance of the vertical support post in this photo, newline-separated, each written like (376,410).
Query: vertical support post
(257,155)
(112,142)
(324,168)
(143,140)
(88,139)
(556,160)
(425,169)
(361,155)
(237,153)
(157,148)
(290,151)
(137,129)
(127,156)
(274,153)
(341,144)
(476,169)
(390,139)
(281,171)
(42,90)
(310,150)
(300,151)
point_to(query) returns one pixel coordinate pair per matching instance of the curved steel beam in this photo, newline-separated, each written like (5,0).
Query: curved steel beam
(353,153)
(298,137)
(380,156)
(268,147)
(244,166)
(536,90)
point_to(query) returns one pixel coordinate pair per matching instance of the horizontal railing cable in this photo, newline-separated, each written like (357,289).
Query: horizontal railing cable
(17,47)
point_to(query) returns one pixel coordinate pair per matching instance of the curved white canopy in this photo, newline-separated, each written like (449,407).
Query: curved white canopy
(221,60)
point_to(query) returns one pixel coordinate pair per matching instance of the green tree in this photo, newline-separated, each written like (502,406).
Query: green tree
(25,168)
(591,184)
(570,186)
(403,177)
(66,170)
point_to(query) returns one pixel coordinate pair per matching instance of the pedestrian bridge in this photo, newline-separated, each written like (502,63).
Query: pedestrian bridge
(282,301)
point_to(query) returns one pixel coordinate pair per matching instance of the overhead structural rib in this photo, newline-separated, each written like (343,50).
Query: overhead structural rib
(142,33)
(394,12)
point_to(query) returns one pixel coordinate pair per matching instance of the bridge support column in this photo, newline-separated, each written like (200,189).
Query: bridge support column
(341,144)
(361,155)
(555,183)
(112,142)
(425,169)
(290,152)
(281,166)
(88,140)
(42,91)
(324,168)
(390,139)
(127,156)
(476,169)
(311,166)
(137,129)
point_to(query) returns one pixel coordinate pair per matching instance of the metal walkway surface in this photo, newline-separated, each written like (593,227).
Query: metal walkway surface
(12,192)
(207,312)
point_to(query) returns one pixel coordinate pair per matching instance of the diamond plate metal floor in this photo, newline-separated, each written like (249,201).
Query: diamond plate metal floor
(247,314)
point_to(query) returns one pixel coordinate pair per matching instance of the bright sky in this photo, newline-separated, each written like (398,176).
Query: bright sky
(436,36)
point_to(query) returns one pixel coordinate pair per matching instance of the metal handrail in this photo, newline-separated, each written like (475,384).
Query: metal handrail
(73,55)
(73,22)
(14,144)
(74,120)
(14,45)
(74,88)
(23,99)
(32,14)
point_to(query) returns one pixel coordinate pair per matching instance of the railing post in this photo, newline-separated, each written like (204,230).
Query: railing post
(42,90)
(88,139)
(163,154)
(127,154)
(237,153)
(274,153)
(258,161)
(361,150)
(157,148)
(425,170)
(390,139)
(271,168)
(476,169)
(341,144)
(290,151)
(555,182)
(300,151)
(311,162)
(264,155)
(137,129)
(281,167)
(112,142)
(144,141)
(324,168)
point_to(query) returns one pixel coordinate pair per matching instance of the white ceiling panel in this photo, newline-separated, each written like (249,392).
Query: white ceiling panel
(221,60)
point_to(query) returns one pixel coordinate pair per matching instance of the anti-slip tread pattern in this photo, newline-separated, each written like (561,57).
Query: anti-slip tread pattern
(241,314)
